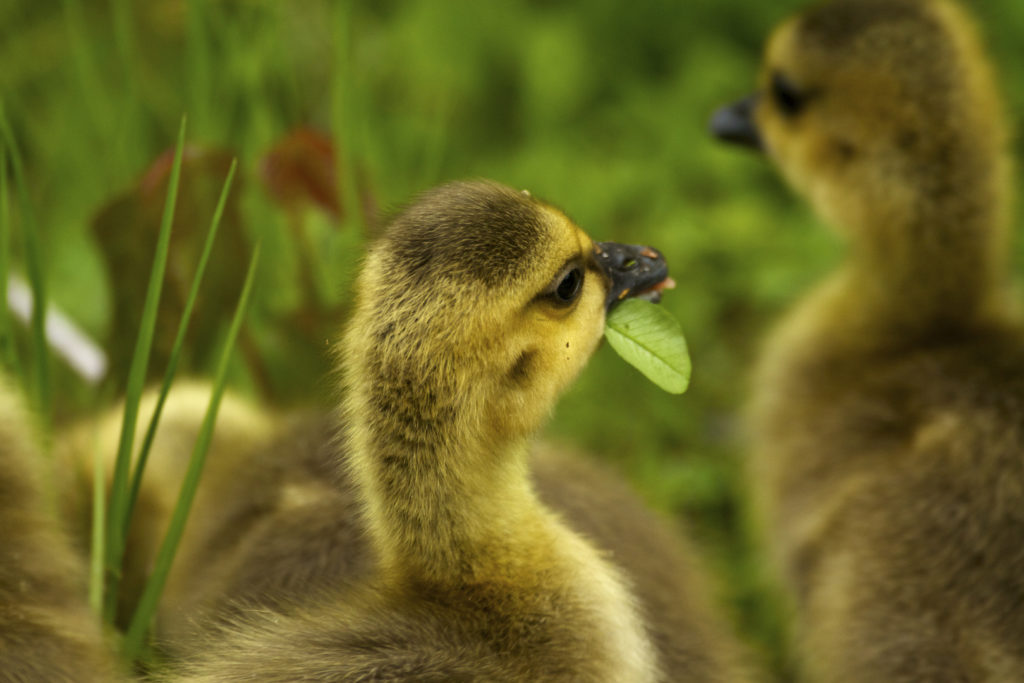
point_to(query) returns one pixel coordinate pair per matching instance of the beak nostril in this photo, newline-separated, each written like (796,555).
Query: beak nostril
(629,265)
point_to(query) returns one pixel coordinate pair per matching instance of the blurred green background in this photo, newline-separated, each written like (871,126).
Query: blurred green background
(340,112)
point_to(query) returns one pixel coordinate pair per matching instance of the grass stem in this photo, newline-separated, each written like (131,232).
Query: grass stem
(40,379)
(134,640)
(179,343)
(117,519)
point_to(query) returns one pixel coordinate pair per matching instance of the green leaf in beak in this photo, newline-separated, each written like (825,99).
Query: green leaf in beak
(651,340)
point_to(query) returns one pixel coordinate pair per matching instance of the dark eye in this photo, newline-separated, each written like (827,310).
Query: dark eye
(790,100)
(569,287)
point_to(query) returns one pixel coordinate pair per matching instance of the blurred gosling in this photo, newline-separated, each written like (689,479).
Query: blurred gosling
(888,438)
(47,631)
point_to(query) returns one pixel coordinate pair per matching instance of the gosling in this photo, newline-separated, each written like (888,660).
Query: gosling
(888,442)
(425,553)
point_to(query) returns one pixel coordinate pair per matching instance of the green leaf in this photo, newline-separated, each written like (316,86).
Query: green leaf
(651,340)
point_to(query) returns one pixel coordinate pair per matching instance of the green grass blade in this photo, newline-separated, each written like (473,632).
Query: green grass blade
(116,520)
(130,110)
(8,350)
(179,342)
(135,637)
(344,117)
(95,95)
(124,38)
(435,143)
(200,71)
(40,382)
(99,530)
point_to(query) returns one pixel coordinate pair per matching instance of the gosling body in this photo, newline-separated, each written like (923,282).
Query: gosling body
(474,577)
(277,525)
(47,631)
(888,443)
(488,564)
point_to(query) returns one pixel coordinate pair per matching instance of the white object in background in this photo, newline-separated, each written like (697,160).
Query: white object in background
(66,338)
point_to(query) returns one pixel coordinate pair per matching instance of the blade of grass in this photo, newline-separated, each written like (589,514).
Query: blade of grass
(124,39)
(134,638)
(126,44)
(344,117)
(8,351)
(99,509)
(197,59)
(98,539)
(179,342)
(95,95)
(435,143)
(40,380)
(116,521)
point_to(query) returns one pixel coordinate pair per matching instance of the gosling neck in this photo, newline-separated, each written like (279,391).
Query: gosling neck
(443,501)
(936,266)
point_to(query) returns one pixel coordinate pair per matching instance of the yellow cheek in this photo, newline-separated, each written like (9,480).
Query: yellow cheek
(784,153)
(584,329)
(562,348)
(597,321)
(802,159)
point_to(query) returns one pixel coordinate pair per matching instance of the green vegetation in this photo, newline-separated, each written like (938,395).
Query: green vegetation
(119,511)
(134,640)
(598,106)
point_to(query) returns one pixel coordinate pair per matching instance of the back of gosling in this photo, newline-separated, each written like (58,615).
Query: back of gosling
(888,442)
(47,632)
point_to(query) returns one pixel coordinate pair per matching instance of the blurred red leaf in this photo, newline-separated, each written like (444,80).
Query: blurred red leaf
(301,168)
(127,228)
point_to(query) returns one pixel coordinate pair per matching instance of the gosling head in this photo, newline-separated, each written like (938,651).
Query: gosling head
(477,308)
(877,111)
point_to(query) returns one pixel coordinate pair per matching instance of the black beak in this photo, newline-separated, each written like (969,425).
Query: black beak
(634,270)
(735,123)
